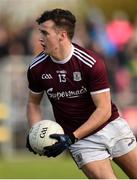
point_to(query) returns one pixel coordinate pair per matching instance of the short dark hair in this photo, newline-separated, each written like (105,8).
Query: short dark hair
(62,18)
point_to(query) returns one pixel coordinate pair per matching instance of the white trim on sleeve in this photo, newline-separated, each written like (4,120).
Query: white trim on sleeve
(36,92)
(100,91)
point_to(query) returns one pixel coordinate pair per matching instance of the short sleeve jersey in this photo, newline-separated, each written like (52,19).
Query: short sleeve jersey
(69,85)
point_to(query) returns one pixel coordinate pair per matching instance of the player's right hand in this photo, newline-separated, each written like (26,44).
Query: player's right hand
(64,141)
(28,146)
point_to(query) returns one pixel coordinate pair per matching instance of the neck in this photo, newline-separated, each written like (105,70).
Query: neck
(62,52)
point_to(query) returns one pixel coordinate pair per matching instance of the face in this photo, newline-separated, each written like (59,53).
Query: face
(49,37)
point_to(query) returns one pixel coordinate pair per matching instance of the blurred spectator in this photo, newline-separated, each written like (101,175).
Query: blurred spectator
(16,48)
(96,27)
(130,114)
(131,52)
(123,80)
(132,67)
(133,41)
(123,84)
(81,37)
(15,41)
(119,30)
(4,40)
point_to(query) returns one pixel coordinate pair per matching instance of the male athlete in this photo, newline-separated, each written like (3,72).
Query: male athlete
(76,83)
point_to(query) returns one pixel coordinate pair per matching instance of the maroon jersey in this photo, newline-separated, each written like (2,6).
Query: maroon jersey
(69,85)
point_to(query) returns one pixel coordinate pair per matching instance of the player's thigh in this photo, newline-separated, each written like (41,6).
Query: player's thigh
(128,163)
(101,169)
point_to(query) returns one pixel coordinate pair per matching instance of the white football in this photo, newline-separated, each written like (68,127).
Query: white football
(40,132)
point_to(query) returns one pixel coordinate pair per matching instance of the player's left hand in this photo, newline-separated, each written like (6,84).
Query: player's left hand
(64,141)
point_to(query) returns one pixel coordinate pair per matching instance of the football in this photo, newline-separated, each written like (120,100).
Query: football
(40,132)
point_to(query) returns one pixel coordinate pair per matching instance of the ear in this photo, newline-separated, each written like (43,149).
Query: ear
(63,35)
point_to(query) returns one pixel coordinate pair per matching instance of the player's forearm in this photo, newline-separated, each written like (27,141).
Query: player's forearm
(33,113)
(99,117)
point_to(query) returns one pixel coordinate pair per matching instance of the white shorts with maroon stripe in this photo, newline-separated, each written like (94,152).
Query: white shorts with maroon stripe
(114,140)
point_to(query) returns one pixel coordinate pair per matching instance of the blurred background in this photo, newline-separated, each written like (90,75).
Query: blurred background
(106,26)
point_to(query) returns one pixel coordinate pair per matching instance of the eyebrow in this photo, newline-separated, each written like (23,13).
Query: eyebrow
(43,31)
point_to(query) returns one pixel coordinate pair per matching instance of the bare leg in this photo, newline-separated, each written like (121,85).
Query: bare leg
(101,169)
(128,163)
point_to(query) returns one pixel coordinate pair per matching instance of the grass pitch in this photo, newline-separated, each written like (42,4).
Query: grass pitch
(35,167)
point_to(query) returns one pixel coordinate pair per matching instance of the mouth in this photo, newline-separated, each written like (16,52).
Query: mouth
(43,46)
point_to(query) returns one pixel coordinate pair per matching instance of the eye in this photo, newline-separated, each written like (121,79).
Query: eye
(45,33)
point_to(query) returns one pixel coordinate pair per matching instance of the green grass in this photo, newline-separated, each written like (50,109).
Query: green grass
(35,167)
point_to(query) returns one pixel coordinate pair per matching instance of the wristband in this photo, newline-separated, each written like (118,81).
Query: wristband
(73,138)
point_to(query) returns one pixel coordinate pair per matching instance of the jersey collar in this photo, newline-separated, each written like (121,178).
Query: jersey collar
(63,61)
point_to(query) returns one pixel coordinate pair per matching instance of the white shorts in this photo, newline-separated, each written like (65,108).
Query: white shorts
(114,140)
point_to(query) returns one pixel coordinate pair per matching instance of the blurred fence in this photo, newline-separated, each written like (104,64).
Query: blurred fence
(13,100)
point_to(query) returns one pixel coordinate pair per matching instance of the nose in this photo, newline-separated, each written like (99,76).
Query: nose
(41,40)
(41,37)
(42,43)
